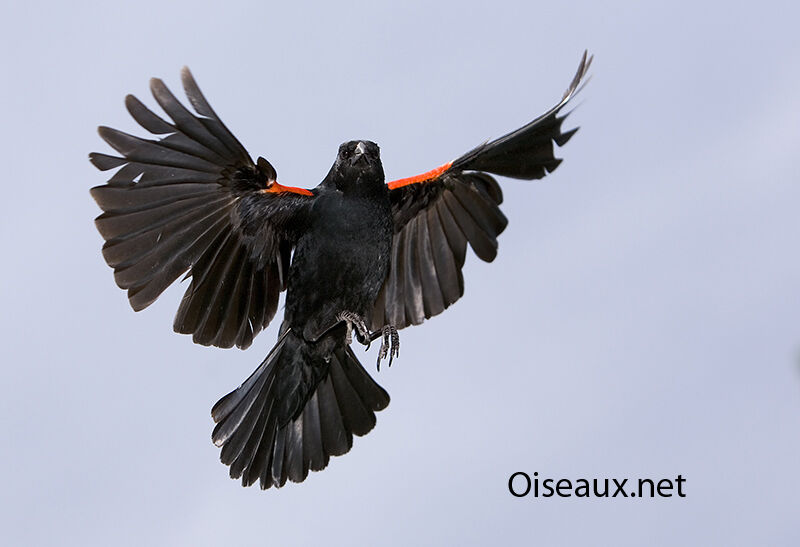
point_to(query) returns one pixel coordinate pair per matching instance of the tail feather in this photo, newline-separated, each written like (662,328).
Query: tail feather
(312,435)
(336,439)
(301,406)
(245,393)
(243,449)
(357,417)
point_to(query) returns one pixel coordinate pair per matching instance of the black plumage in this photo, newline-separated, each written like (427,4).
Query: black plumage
(354,254)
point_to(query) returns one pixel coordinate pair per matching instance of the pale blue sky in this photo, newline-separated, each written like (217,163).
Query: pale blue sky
(642,318)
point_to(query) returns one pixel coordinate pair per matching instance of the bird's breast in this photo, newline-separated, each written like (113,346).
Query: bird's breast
(341,262)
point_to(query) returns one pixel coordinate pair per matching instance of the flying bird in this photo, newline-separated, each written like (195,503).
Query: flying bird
(359,258)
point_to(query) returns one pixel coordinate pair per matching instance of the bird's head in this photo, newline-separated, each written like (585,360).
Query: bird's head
(358,167)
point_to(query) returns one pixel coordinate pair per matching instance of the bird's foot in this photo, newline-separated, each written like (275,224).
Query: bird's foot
(355,322)
(390,344)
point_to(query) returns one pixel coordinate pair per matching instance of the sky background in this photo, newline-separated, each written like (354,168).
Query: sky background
(642,318)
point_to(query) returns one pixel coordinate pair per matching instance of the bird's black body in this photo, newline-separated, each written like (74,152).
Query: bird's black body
(354,253)
(341,260)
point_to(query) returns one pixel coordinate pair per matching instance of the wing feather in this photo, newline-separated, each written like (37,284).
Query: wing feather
(194,202)
(431,290)
(437,213)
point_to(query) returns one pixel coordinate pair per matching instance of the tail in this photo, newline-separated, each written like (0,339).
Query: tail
(301,406)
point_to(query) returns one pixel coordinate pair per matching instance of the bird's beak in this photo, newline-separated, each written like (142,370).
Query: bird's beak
(358,156)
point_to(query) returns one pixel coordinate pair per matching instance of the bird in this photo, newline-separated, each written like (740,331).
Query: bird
(360,258)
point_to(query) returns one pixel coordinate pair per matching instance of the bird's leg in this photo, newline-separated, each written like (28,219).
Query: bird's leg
(353,320)
(390,344)
(348,337)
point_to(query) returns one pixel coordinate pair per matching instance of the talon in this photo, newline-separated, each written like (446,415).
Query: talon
(395,352)
(364,338)
(354,322)
(390,344)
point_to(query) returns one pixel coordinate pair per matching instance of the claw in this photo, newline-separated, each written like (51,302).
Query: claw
(390,344)
(395,352)
(355,322)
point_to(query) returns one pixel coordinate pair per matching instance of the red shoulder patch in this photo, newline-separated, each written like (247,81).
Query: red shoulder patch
(424,177)
(276,188)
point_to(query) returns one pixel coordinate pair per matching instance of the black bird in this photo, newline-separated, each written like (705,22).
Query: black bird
(357,256)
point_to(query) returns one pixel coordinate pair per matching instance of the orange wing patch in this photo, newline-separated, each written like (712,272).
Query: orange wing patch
(424,177)
(275,188)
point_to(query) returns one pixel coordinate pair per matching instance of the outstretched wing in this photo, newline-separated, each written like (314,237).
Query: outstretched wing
(437,213)
(194,201)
